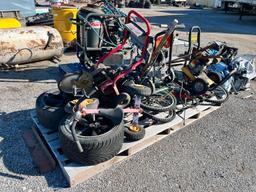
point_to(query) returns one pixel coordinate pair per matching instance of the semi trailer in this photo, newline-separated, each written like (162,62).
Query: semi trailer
(243,6)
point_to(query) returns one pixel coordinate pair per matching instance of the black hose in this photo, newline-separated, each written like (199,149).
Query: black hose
(13,57)
(73,131)
(50,36)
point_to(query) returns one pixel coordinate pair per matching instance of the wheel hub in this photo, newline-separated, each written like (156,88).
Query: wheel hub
(134,128)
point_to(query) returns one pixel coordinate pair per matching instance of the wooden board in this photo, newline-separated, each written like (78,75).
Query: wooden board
(42,158)
(76,173)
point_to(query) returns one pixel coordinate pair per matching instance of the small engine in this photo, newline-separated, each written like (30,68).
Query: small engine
(217,72)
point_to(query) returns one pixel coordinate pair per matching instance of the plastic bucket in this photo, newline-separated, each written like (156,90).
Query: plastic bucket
(62,22)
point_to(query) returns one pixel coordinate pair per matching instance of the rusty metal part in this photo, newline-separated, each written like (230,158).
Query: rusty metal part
(29,44)
(40,19)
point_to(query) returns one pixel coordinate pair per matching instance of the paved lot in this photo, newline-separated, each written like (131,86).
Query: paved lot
(217,153)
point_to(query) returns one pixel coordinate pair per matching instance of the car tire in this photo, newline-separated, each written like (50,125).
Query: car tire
(96,148)
(50,108)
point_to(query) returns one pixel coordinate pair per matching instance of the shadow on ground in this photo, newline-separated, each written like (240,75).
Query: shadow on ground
(15,154)
(31,75)
(38,71)
(214,18)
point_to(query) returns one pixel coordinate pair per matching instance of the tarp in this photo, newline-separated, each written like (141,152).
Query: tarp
(26,7)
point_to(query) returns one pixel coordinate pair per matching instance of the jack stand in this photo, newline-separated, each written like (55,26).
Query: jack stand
(135,118)
(184,116)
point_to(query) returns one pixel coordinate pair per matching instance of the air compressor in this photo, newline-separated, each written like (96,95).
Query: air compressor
(89,33)
(89,27)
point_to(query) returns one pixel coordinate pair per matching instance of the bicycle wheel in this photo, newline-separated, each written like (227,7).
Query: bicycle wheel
(217,96)
(159,102)
(163,117)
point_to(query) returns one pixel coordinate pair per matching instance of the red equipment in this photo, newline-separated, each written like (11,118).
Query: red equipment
(140,38)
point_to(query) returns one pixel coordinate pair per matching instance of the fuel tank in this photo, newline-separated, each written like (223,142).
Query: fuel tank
(29,44)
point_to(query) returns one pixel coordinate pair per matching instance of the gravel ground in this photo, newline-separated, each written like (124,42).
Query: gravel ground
(216,153)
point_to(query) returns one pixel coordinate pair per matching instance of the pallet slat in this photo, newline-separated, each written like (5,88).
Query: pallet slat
(156,129)
(76,173)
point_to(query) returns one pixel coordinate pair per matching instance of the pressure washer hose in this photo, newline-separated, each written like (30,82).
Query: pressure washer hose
(78,116)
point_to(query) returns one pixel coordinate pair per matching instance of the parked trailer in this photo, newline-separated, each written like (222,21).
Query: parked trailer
(170,2)
(244,6)
(252,2)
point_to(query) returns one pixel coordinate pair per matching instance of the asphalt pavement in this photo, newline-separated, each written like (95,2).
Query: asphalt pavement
(216,153)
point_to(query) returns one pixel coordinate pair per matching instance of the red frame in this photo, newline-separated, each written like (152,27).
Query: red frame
(110,82)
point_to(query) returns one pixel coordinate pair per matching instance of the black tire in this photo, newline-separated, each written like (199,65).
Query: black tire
(96,148)
(141,5)
(221,95)
(50,108)
(132,135)
(166,103)
(138,89)
(147,5)
(198,86)
(153,116)
(122,100)
(132,4)
(121,5)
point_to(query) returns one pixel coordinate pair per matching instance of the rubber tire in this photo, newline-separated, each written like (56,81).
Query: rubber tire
(147,4)
(219,101)
(134,136)
(193,86)
(132,4)
(160,109)
(141,5)
(50,115)
(97,149)
(122,96)
(160,120)
(132,89)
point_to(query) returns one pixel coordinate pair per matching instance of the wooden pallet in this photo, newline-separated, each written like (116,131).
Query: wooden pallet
(76,173)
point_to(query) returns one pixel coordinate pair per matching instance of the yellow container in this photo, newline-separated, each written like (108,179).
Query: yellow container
(61,19)
(6,23)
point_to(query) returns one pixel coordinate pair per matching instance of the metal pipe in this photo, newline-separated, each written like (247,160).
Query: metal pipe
(77,117)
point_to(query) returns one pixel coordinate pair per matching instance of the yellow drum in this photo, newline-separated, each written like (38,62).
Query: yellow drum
(61,19)
(6,23)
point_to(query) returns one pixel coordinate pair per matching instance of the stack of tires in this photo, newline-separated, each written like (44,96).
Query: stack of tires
(97,146)
(100,135)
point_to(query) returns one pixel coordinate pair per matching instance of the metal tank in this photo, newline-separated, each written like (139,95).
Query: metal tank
(29,44)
